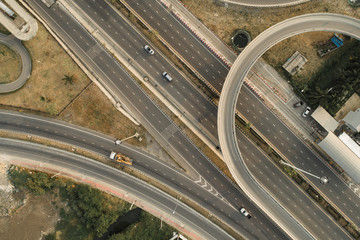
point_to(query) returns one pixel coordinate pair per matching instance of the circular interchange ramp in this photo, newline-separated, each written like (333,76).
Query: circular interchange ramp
(266,3)
(234,80)
(15,44)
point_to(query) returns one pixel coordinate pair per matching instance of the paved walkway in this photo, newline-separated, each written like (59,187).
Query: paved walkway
(15,44)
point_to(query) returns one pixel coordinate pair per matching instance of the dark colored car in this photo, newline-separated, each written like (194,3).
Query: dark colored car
(298,104)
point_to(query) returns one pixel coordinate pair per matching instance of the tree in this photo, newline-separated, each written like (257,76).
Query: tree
(68,79)
(90,207)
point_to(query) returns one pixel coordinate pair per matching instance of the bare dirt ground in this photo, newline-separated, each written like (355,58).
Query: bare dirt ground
(35,218)
(7,200)
(351,105)
(224,21)
(10,64)
(21,216)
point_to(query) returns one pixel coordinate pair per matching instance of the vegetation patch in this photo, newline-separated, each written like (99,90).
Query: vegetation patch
(85,212)
(148,227)
(337,80)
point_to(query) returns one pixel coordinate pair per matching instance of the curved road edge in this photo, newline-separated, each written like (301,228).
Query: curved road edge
(226,125)
(15,44)
(173,178)
(113,181)
(269,3)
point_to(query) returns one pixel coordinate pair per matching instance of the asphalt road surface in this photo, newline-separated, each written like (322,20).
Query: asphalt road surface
(81,138)
(293,208)
(305,23)
(15,44)
(110,179)
(281,137)
(156,122)
(127,38)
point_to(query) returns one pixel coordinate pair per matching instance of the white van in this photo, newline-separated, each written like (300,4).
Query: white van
(167,76)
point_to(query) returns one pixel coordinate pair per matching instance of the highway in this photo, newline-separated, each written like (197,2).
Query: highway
(235,78)
(15,45)
(24,26)
(196,54)
(135,43)
(121,85)
(112,180)
(246,105)
(114,26)
(81,138)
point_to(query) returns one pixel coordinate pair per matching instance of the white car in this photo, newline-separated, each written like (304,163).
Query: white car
(149,50)
(245,213)
(306,112)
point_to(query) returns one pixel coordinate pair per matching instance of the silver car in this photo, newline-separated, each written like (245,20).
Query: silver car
(149,50)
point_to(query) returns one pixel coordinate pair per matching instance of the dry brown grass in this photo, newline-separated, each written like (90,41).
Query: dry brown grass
(10,64)
(224,22)
(45,93)
(45,90)
(93,110)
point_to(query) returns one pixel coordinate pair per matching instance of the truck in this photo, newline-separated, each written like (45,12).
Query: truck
(120,158)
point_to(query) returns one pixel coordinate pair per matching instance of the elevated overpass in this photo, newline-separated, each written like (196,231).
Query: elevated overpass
(226,121)
(266,3)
